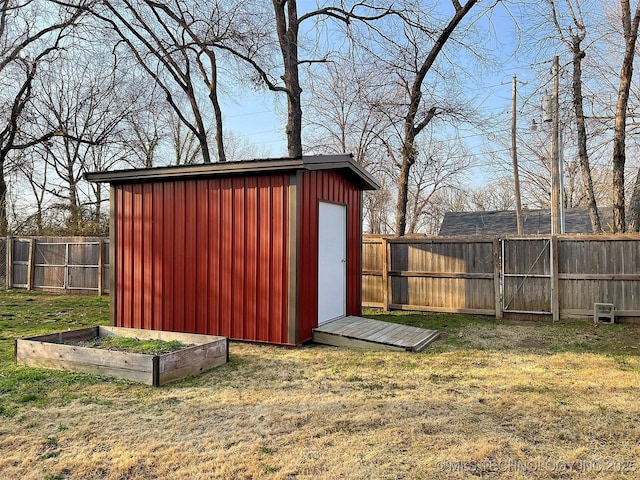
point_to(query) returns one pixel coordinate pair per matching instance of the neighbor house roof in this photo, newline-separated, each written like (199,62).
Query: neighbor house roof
(343,163)
(534,222)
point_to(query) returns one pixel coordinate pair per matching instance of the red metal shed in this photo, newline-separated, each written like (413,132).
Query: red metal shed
(260,250)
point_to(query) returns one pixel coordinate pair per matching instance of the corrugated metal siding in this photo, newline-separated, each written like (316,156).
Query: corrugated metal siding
(330,186)
(204,256)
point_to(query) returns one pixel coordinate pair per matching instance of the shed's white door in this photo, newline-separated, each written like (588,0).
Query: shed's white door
(332,261)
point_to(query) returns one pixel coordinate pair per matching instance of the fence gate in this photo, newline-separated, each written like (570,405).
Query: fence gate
(58,264)
(527,276)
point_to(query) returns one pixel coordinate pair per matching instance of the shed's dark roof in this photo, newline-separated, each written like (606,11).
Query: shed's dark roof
(534,222)
(343,163)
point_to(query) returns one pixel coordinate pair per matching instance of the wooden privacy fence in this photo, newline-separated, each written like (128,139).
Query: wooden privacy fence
(3,261)
(559,276)
(78,264)
(432,274)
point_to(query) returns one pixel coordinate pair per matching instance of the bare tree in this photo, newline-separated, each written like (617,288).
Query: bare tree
(342,115)
(175,43)
(573,36)
(44,26)
(35,171)
(630,24)
(536,169)
(440,166)
(634,206)
(288,25)
(445,200)
(376,206)
(186,147)
(85,105)
(418,116)
(239,148)
(403,105)
(494,196)
(147,127)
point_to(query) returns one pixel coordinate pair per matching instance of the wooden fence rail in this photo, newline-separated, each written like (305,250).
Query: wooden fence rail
(78,264)
(529,277)
(532,277)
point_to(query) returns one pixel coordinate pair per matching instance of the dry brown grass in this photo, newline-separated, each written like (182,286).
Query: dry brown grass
(490,400)
(325,413)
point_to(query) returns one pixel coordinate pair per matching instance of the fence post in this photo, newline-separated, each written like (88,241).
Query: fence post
(555,284)
(386,294)
(31,267)
(9,271)
(496,278)
(100,266)
(66,281)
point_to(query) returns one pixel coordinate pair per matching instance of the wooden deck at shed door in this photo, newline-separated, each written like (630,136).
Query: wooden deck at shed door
(358,332)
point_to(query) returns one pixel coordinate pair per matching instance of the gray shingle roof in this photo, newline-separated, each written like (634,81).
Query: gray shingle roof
(534,222)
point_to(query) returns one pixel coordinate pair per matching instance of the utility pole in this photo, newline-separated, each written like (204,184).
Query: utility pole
(514,155)
(556,181)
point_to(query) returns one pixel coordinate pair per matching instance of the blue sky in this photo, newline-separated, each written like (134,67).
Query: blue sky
(256,118)
(260,116)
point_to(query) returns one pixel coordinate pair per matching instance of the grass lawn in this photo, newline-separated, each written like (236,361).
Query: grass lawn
(489,400)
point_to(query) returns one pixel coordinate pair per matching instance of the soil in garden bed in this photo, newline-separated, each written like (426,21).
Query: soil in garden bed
(133,345)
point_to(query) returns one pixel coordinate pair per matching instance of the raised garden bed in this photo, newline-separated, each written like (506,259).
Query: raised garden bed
(64,351)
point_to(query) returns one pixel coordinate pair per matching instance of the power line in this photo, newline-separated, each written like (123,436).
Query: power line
(248,114)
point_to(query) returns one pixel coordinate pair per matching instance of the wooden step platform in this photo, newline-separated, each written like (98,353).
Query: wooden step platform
(358,332)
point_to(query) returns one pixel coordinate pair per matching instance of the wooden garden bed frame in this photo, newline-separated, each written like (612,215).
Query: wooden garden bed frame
(57,350)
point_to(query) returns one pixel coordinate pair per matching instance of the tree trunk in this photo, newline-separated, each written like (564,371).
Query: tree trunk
(287,29)
(294,124)
(630,27)
(401,205)
(98,202)
(75,218)
(204,147)
(222,156)
(201,130)
(619,157)
(4,224)
(578,55)
(634,207)
(409,155)
(213,98)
